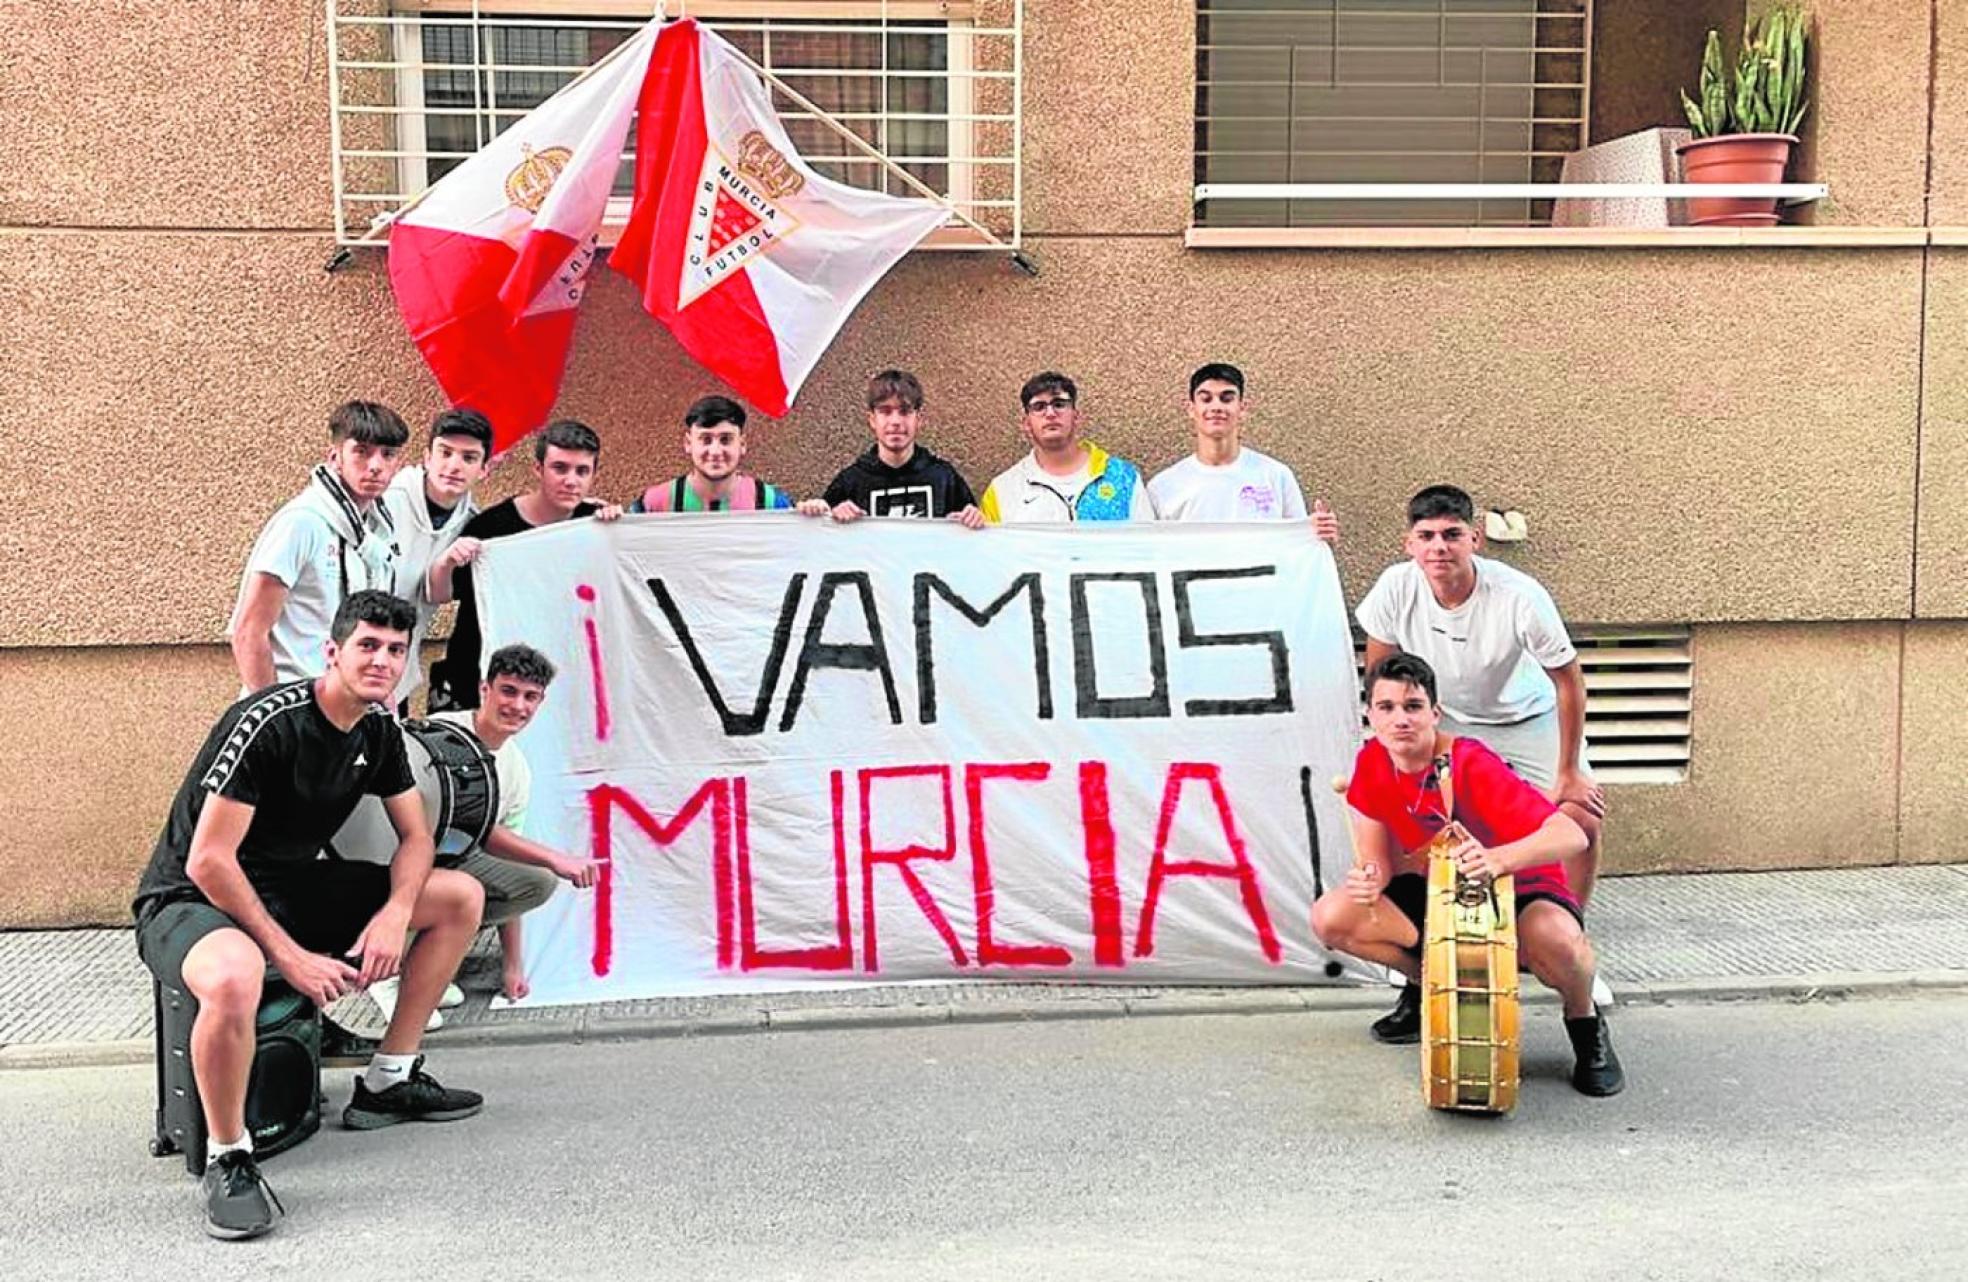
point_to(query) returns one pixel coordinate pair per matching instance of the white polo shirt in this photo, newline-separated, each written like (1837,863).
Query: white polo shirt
(1489,653)
(1251,487)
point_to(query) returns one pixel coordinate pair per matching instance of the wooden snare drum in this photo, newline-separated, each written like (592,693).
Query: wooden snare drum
(1469,1011)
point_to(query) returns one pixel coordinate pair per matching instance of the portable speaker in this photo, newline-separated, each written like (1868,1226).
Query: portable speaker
(283,1091)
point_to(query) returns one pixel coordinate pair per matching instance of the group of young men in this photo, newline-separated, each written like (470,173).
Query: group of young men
(342,584)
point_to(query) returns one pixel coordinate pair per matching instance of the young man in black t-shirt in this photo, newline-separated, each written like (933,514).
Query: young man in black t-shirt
(235,884)
(566,456)
(897,476)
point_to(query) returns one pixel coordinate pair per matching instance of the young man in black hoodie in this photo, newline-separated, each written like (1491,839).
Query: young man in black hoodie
(898,477)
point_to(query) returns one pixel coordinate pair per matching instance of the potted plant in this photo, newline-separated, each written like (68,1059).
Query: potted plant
(1746,121)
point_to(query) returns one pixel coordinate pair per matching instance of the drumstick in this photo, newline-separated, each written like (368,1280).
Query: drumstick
(1340,783)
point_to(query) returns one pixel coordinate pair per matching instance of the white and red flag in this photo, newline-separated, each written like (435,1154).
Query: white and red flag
(489,267)
(751,258)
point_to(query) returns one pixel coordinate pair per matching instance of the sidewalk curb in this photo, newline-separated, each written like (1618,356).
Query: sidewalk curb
(580,1026)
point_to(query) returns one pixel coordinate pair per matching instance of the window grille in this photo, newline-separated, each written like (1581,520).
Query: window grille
(932,86)
(1388,91)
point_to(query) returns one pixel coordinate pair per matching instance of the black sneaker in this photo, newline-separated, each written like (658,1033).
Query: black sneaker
(1402,1025)
(237,1197)
(1598,1071)
(417,1098)
(341,1048)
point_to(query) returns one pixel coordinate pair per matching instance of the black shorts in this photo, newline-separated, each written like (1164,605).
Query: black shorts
(323,904)
(1408,892)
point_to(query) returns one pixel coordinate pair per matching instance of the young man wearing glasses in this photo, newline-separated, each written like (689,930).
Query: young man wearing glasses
(1063,478)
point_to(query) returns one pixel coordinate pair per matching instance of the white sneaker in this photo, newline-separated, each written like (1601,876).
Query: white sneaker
(454,996)
(384,992)
(1602,993)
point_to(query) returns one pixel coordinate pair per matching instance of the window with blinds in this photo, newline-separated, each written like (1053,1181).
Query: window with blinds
(1387,91)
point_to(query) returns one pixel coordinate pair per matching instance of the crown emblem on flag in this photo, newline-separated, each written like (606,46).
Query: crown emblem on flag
(766,165)
(533,177)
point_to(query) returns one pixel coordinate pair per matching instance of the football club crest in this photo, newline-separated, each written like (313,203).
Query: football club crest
(735,215)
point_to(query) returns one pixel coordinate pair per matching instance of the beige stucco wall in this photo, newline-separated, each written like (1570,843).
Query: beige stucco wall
(198,113)
(1949,152)
(1867,130)
(1667,474)
(100,739)
(1796,756)
(1765,443)
(1933,778)
(1943,525)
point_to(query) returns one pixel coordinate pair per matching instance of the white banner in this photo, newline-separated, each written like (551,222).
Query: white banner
(814,753)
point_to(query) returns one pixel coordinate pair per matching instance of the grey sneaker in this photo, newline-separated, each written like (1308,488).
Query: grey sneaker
(417,1098)
(237,1197)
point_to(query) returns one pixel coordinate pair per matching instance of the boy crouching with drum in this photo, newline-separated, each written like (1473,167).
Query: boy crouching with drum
(1397,807)
(518,874)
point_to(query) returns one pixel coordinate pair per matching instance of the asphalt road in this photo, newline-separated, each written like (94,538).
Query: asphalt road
(1755,1141)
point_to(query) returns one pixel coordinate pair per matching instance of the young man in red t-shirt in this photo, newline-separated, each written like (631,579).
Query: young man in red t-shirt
(1397,808)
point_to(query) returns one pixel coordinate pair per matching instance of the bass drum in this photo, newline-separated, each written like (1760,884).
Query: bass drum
(455,776)
(1470,1021)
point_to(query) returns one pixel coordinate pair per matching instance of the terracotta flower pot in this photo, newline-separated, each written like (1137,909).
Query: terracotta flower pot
(1735,158)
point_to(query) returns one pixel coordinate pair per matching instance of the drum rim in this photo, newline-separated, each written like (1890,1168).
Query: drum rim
(447,792)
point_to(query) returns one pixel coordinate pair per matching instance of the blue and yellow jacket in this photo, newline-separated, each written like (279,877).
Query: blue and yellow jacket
(1025,492)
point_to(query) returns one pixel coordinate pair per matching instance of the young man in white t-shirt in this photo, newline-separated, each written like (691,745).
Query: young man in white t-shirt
(429,505)
(1224,479)
(518,874)
(324,545)
(1063,477)
(1507,671)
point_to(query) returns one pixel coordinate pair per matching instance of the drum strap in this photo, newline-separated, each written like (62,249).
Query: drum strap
(1445,782)
(1445,778)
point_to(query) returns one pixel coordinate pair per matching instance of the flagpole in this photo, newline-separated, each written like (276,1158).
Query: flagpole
(949,206)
